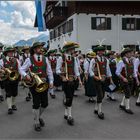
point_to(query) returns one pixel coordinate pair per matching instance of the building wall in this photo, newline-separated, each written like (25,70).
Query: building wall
(86,37)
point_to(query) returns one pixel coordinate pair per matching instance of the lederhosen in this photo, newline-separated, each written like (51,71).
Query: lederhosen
(39,99)
(89,86)
(100,85)
(68,86)
(11,87)
(1,82)
(57,79)
(127,72)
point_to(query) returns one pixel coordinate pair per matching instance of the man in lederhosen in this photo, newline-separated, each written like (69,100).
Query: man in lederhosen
(68,69)
(10,86)
(99,69)
(24,56)
(38,64)
(1,82)
(125,71)
(88,80)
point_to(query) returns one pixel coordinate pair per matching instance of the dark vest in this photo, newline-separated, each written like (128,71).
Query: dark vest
(39,67)
(53,64)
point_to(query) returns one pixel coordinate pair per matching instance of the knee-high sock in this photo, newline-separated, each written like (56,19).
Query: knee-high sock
(69,111)
(99,107)
(2,92)
(123,101)
(13,100)
(66,111)
(9,102)
(51,90)
(41,110)
(127,103)
(96,106)
(138,100)
(36,116)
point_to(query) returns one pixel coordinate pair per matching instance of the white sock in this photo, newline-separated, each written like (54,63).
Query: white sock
(96,106)
(112,96)
(36,116)
(127,103)
(99,107)
(9,102)
(51,90)
(123,101)
(41,110)
(13,100)
(66,112)
(1,92)
(138,100)
(69,112)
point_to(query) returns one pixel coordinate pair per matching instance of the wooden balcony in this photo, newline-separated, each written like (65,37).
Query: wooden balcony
(55,16)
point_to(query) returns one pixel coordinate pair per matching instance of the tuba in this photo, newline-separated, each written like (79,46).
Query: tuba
(6,73)
(40,85)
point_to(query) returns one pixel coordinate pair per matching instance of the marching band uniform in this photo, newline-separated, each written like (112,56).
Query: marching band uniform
(88,81)
(1,82)
(52,59)
(99,69)
(24,56)
(137,76)
(11,87)
(125,71)
(68,69)
(38,63)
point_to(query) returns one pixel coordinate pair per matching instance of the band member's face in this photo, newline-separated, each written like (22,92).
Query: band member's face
(129,55)
(26,51)
(10,54)
(100,53)
(38,50)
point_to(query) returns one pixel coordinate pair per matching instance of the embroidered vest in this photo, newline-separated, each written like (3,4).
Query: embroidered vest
(39,67)
(70,66)
(53,64)
(12,65)
(102,67)
(128,70)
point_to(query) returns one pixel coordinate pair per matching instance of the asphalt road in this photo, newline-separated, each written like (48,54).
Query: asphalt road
(117,124)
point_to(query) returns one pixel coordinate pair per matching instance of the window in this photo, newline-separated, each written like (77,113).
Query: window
(51,35)
(131,24)
(64,28)
(70,25)
(100,23)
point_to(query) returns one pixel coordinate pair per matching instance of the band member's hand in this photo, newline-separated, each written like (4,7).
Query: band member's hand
(125,80)
(80,82)
(50,85)
(138,82)
(111,82)
(28,78)
(97,78)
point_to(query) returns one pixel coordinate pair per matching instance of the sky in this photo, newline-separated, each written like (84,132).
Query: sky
(17,21)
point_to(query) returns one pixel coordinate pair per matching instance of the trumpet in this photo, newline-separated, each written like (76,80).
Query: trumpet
(6,73)
(40,85)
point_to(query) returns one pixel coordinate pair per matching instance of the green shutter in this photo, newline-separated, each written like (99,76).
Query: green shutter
(124,21)
(108,20)
(138,24)
(93,23)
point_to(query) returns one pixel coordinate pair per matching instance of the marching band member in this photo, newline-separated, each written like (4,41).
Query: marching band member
(99,69)
(68,69)
(10,85)
(125,71)
(52,60)
(24,56)
(39,68)
(1,82)
(88,81)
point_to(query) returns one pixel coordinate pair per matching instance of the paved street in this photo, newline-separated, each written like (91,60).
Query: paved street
(117,124)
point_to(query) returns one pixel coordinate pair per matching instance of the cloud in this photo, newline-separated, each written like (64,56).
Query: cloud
(3,3)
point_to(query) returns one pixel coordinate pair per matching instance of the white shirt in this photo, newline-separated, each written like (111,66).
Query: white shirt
(86,65)
(27,65)
(136,66)
(92,65)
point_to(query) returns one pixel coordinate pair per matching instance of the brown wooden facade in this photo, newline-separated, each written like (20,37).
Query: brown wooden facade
(56,15)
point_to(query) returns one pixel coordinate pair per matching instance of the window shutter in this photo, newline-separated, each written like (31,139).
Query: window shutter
(124,21)
(93,23)
(138,24)
(108,23)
